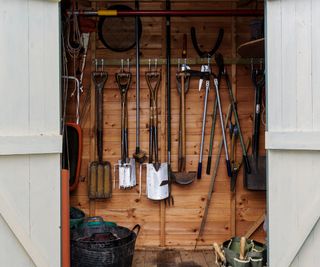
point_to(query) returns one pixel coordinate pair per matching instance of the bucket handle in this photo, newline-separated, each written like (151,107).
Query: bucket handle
(137,227)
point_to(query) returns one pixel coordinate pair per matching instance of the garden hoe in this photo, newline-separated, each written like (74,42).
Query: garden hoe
(182,177)
(100,183)
(126,165)
(157,183)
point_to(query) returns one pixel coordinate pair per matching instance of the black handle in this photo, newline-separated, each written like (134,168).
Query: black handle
(229,168)
(247,164)
(213,50)
(199,172)
(208,165)
(137,228)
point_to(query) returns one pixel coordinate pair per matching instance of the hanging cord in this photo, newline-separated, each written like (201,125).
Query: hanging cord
(74,43)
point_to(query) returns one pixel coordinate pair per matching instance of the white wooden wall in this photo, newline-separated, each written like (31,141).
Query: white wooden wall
(293,137)
(29,134)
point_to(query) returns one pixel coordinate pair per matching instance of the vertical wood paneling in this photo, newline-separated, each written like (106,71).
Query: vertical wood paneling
(43,42)
(274,64)
(181,221)
(289,75)
(13,70)
(303,64)
(315,51)
(29,72)
(45,205)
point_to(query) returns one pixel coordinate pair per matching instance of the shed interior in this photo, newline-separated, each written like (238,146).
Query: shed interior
(172,226)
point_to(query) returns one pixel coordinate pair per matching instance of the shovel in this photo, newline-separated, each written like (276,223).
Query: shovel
(100,183)
(256,179)
(182,177)
(157,173)
(127,166)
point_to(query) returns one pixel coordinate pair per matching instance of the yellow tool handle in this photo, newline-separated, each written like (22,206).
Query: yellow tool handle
(110,12)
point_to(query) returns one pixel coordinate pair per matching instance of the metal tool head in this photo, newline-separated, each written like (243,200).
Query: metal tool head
(127,174)
(100,182)
(140,156)
(204,68)
(256,179)
(157,182)
(186,76)
(184,178)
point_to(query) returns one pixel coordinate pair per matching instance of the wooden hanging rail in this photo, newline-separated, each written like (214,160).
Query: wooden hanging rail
(190,61)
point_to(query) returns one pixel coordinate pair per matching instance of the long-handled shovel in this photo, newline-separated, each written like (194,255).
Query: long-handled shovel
(182,177)
(157,172)
(256,180)
(126,165)
(100,183)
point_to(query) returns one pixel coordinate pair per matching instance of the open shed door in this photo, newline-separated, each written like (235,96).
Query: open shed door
(293,137)
(30,141)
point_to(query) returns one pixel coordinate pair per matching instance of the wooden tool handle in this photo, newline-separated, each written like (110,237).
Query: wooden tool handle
(242,247)
(183,122)
(219,252)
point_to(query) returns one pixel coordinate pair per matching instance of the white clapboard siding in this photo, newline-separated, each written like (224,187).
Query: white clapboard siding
(30,140)
(292,140)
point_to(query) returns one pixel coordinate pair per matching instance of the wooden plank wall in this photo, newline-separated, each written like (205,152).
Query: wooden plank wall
(180,223)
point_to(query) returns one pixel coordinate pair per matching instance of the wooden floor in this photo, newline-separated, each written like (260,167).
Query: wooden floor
(173,258)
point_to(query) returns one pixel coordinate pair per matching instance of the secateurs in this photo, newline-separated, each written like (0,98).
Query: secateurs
(157,172)
(126,165)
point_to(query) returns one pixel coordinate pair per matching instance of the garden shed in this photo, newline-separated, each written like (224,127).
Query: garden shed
(118,115)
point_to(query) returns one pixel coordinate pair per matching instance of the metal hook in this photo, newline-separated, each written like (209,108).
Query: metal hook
(149,64)
(155,64)
(128,64)
(121,65)
(102,64)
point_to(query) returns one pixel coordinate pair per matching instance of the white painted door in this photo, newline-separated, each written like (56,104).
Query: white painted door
(30,143)
(293,136)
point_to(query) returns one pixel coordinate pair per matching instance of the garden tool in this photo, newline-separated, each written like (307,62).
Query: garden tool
(182,177)
(256,180)
(242,252)
(157,172)
(213,123)
(100,182)
(220,258)
(72,138)
(216,85)
(205,69)
(139,155)
(169,201)
(242,261)
(126,165)
(211,187)
(223,73)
